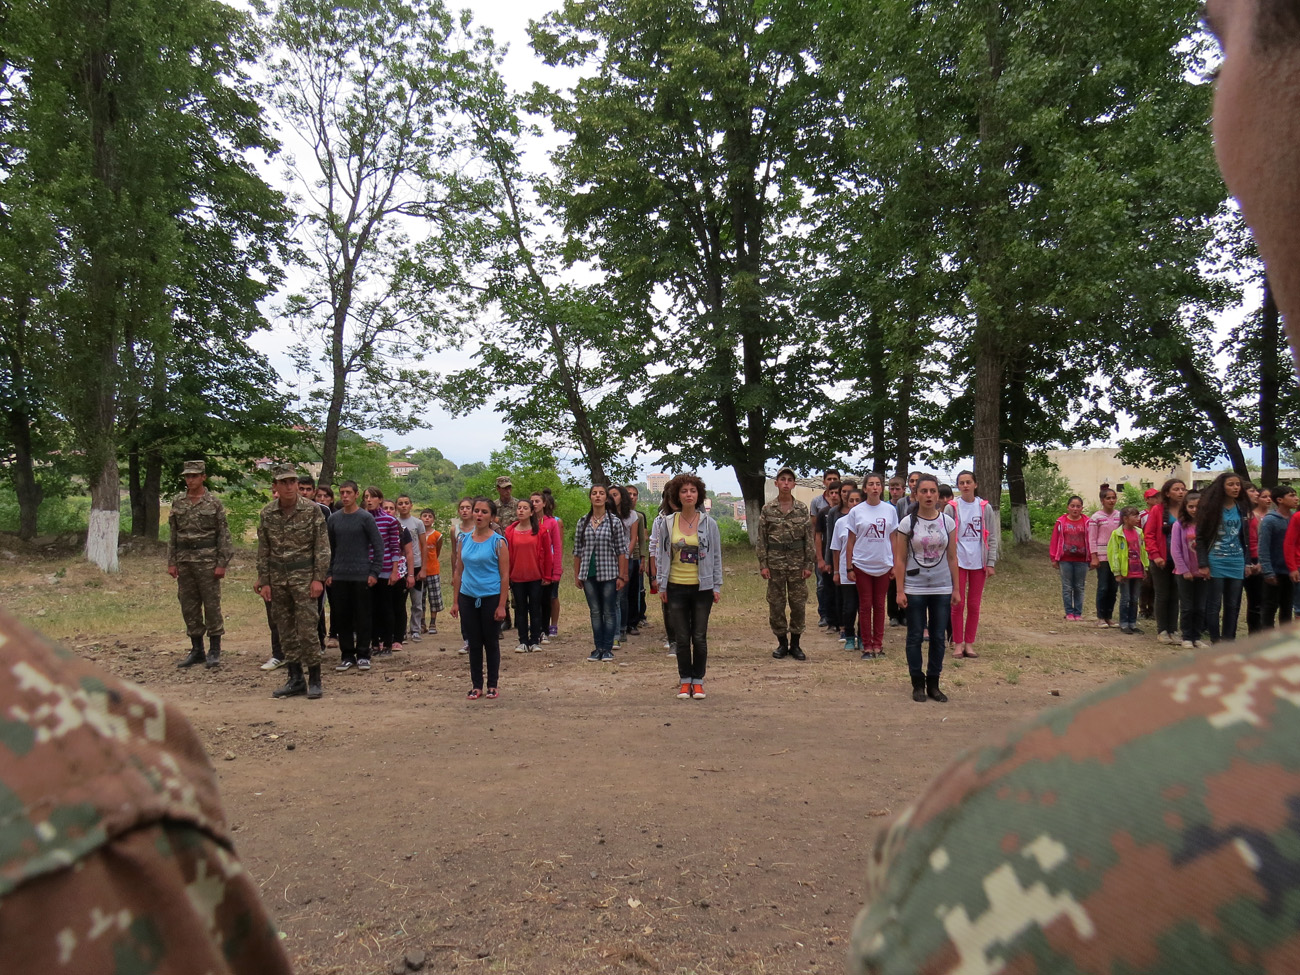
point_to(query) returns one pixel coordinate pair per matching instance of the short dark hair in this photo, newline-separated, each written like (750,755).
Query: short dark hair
(404,495)
(306,480)
(428,511)
(351,484)
(327,489)
(374,492)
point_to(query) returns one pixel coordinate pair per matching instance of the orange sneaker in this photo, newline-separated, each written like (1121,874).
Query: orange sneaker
(697,691)
(684,691)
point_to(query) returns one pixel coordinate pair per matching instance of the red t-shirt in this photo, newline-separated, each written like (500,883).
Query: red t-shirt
(526,555)
(1134,553)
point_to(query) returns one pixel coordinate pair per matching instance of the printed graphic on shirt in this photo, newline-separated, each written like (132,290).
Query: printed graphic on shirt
(929,542)
(973,528)
(876,528)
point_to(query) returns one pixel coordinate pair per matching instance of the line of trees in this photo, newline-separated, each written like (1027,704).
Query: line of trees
(865,234)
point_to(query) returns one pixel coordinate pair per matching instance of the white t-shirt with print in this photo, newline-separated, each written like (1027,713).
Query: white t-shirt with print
(873,530)
(926,570)
(970,534)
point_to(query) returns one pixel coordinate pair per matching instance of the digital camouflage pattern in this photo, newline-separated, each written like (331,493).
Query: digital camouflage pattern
(785,549)
(1152,827)
(115,856)
(293,551)
(199,542)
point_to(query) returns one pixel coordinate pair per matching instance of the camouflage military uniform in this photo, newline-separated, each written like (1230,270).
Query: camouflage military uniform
(1151,827)
(115,856)
(199,542)
(293,551)
(785,549)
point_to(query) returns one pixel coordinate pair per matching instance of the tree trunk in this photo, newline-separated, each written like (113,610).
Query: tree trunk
(1270,337)
(1021,530)
(752,487)
(1209,399)
(878,383)
(26,486)
(330,446)
(135,490)
(990,369)
(105,499)
(23,469)
(151,496)
(903,421)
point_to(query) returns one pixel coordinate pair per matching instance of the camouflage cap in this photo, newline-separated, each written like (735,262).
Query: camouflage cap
(786,470)
(504,481)
(284,472)
(194,467)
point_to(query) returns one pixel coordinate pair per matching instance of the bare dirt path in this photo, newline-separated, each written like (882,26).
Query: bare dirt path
(588,821)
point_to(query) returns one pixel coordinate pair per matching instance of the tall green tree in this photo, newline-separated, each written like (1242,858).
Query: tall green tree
(132,123)
(554,352)
(691,139)
(370,91)
(1058,158)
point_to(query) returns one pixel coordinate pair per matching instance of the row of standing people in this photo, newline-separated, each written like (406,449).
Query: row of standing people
(1201,552)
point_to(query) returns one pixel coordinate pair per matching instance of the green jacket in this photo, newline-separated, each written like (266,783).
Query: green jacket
(1117,552)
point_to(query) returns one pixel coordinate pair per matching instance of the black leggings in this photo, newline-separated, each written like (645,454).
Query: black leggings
(528,611)
(848,596)
(381,614)
(688,609)
(484,636)
(351,604)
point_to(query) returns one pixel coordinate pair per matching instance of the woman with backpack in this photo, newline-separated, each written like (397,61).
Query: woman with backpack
(925,569)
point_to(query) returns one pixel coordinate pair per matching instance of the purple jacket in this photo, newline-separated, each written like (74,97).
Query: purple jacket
(1182,542)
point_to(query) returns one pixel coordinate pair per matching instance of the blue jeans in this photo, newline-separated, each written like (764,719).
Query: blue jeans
(602,600)
(1225,593)
(931,611)
(1107,590)
(1130,591)
(1074,579)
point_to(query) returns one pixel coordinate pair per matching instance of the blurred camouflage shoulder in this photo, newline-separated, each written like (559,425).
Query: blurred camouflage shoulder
(115,855)
(1153,825)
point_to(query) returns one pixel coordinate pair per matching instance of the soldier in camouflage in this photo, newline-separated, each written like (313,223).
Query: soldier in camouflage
(293,560)
(1150,827)
(785,560)
(115,855)
(199,550)
(1154,825)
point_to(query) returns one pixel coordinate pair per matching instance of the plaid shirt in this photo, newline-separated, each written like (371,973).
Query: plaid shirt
(606,541)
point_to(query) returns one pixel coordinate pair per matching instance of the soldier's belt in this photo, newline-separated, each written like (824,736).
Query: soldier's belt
(192,545)
(290,566)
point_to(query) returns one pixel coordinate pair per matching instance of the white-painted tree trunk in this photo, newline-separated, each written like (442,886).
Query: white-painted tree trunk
(1021,530)
(101,539)
(753,508)
(105,519)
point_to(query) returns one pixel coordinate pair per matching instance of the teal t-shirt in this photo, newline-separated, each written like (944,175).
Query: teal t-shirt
(1227,560)
(481,567)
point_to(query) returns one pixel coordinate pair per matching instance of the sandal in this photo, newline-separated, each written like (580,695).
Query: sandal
(971,654)
(474,694)
(492,693)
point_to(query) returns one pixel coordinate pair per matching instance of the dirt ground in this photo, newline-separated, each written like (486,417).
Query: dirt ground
(588,821)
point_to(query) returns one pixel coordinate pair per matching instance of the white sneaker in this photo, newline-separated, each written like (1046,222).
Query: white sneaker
(464,647)
(415,636)
(1199,644)
(273,664)
(1188,644)
(522,648)
(535,648)
(545,638)
(1163,637)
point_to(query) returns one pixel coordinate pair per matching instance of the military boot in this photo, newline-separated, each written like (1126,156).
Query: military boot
(918,686)
(214,652)
(314,690)
(196,653)
(295,685)
(796,651)
(782,647)
(932,690)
